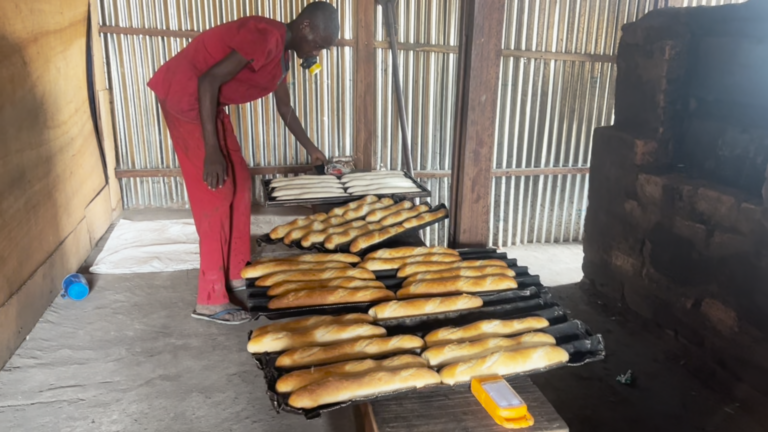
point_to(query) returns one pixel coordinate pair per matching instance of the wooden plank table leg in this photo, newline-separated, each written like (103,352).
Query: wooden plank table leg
(364,421)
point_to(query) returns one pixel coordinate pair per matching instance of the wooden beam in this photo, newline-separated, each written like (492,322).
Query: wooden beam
(482,28)
(176,172)
(515,172)
(184,34)
(365,90)
(543,55)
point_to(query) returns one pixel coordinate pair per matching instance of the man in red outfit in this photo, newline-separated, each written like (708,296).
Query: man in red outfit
(234,63)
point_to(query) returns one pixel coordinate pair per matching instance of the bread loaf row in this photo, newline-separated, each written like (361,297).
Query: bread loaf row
(412,269)
(329,296)
(344,282)
(366,348)
(313,257)
(259,270)
(457,285)
(393,263)
(276,341)
(459,272)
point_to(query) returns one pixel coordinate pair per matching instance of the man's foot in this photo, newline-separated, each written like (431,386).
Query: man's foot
(235,285)
(226,313)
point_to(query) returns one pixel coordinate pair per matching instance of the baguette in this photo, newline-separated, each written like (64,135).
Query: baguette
(408,251)
(295,380)
(371,238)
(297,190)
(329,296)
(412,269)
(303,324)
(393,263)
(281,288)
(313,257)
(298,233)
(358,212)
(333,241)
(308,195)
(424,306)
(425,218)
(316,237)
(504,363)
(458,285)
(374,188)
(308,275)
(281,230)
(461,351)
(387,190)
(484,329)
(342,389)
(458,272)
(338,211)
(396,218)
(366,348)
(302,186)
(377,215)
(259,270)
(322,335)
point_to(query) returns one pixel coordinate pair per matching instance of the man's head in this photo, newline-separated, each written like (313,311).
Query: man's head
(315,29)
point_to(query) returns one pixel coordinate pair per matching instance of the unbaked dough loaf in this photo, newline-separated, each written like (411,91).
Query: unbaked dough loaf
(281,288)
(366,348)
(295,380)
(485,329)
(342,389)
(387,190)
(424,306)
(456,285)
(504,364)
(322,335)
(309,195)
(442,355)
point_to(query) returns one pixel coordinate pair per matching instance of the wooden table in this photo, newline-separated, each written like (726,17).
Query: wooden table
(451,411)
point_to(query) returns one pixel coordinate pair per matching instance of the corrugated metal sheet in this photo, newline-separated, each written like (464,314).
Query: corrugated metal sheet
(429,89)
(549,108)
(322,101)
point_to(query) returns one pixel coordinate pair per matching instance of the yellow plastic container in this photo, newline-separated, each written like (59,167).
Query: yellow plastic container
(502,403)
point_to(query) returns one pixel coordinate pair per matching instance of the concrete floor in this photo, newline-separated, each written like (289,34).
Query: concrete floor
(129,358)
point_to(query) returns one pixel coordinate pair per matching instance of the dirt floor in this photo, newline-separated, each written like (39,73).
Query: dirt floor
(130,358)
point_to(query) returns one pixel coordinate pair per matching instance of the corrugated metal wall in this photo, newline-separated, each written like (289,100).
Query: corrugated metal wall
(547,107)
(321,101)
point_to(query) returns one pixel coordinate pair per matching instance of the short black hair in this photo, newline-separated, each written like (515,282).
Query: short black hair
(323,16)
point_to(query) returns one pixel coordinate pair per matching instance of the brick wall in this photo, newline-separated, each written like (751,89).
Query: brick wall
(677,228)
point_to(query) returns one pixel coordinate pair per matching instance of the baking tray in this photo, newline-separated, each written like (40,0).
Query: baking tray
(266,201)
(257,305)
(573,336)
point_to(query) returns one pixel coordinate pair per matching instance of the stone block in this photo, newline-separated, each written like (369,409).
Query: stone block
(625,264)
(723,318)
(639,298)
(692,231)
(650,189)
(724,243)
(717,206)
(749,219)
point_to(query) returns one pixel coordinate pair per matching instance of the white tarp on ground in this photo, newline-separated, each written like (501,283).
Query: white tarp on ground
(149,246)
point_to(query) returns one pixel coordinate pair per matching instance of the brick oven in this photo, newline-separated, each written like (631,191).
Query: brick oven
(677,225)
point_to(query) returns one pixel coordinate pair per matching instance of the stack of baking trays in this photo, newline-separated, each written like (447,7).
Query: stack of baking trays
(329,189)
(383,321)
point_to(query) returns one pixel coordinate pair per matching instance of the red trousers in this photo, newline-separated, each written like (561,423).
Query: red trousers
(222,217)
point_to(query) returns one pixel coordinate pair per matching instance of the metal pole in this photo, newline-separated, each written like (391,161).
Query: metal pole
(389,21)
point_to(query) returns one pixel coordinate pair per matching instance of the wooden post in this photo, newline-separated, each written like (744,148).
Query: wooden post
(365,63)
(481,32)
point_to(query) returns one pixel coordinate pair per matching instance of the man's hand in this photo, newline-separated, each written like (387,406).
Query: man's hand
(318,157)
(214,169)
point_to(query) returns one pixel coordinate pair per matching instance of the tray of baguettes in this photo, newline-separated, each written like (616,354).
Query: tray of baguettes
(331,189)
(320,363)
(338,283)
(358,227)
